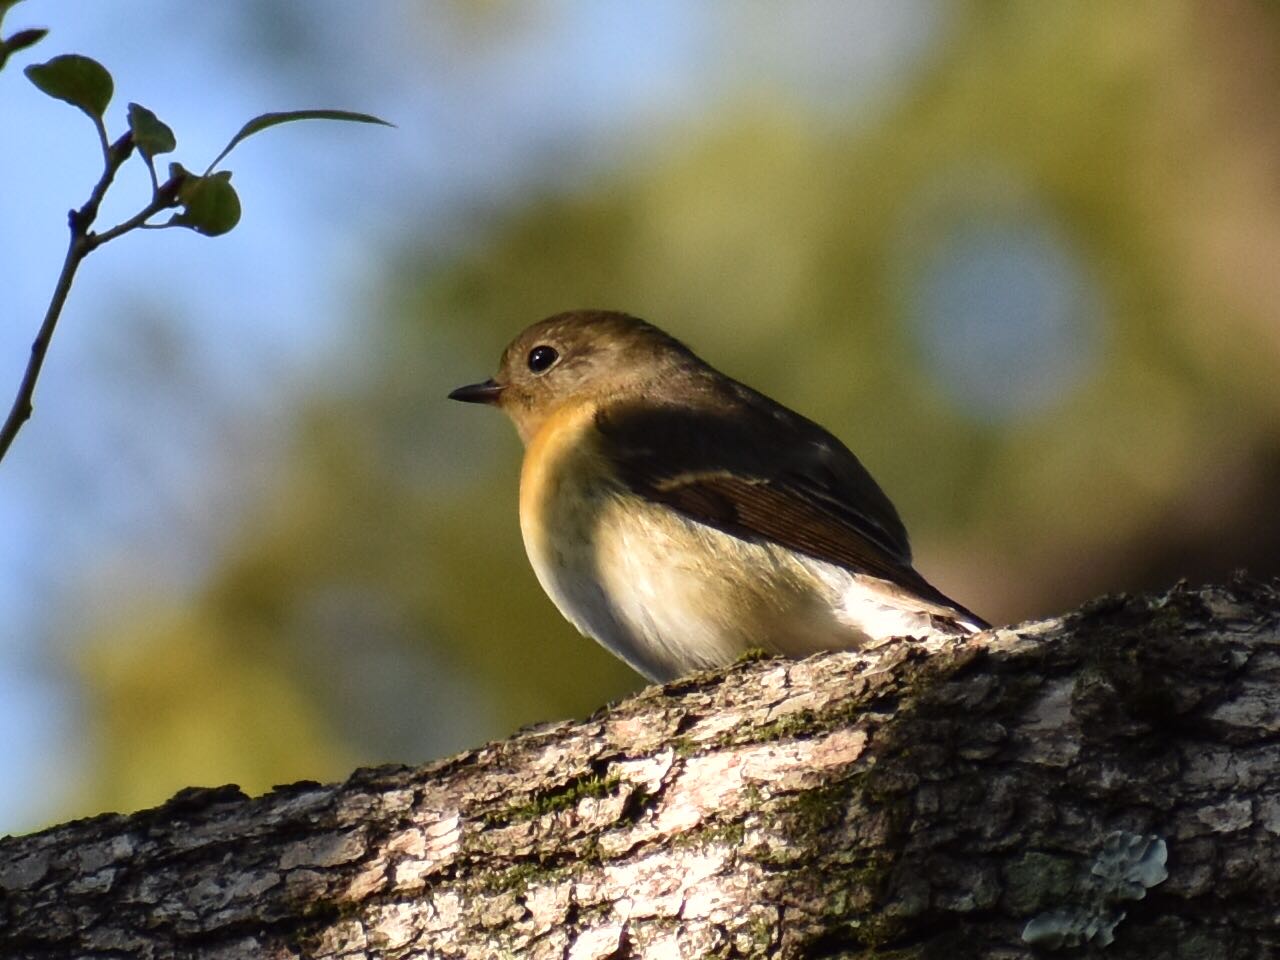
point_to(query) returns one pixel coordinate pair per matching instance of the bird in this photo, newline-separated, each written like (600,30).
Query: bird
(684,520)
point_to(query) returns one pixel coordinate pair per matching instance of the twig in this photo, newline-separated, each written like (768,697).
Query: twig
(166,196)
(82,243)
(114,157)
(102,139)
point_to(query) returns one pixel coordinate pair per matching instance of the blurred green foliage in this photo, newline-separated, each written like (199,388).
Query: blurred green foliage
(377,605)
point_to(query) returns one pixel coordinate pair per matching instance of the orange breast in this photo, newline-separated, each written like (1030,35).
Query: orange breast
(561,477)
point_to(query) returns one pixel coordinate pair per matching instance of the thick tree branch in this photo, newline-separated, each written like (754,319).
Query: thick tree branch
(1112,775)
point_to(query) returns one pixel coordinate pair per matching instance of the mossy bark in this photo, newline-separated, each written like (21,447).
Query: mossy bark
(1104,783)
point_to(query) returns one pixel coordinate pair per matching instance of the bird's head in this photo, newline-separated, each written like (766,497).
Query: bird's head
(585,356)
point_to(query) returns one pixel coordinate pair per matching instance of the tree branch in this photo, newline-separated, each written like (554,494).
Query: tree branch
(164,198)
(1112,774)
(82,242)
(20,410)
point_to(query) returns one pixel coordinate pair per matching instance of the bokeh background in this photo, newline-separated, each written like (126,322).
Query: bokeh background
(1023,257)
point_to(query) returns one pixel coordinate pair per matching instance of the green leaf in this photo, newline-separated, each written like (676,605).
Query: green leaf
(209,204)
(151,135)
(19,41)
(265,120)
(80,81)
(25,38)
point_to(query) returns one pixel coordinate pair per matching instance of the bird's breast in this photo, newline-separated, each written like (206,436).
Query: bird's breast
(663,592)
(569,498)
(562,480)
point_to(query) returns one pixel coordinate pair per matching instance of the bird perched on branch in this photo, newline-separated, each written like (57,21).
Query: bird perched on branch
(682,519)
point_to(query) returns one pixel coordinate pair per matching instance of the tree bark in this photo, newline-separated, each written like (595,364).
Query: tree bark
(1103,784)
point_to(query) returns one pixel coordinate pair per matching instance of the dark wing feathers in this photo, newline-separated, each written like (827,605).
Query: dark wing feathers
(757,471)
(757,509)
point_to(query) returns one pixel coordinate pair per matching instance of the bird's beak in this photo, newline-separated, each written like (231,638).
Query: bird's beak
(487,392)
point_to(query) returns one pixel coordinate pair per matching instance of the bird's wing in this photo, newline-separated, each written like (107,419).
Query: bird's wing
(762,473)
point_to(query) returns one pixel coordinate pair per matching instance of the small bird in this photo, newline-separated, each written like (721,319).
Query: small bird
(682,519)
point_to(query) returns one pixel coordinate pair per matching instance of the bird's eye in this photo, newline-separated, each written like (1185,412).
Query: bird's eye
(541,358)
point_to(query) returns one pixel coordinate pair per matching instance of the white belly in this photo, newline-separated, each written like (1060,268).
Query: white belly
(670,595)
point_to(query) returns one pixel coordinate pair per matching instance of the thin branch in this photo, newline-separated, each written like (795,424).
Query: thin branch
(151,169)
(102,139)
(115,155)
(165,197)
(82,242)
(20,412)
